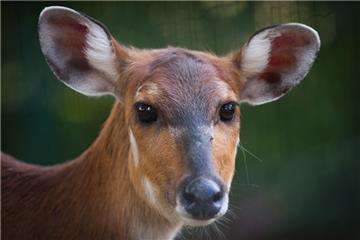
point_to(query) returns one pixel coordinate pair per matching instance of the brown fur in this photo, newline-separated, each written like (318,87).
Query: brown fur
(87,198)
(109,192)
(99,195)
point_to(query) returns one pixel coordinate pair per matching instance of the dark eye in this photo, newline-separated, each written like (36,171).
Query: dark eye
(227,111)
(145,112)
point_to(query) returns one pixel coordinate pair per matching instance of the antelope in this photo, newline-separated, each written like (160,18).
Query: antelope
(165,157)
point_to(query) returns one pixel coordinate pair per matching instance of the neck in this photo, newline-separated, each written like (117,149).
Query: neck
(104,178)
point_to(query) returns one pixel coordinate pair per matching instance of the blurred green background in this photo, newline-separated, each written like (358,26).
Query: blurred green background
(306,183)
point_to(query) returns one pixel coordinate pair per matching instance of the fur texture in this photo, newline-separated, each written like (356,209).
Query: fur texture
(127,184)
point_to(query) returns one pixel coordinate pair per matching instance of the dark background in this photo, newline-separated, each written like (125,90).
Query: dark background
(306,183)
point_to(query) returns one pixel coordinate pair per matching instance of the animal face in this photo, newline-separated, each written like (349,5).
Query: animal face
(190,112)
(181,107)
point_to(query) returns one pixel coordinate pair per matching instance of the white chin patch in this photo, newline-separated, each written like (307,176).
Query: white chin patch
(197,223)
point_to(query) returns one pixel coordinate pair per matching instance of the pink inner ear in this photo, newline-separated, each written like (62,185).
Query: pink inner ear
(283,55)
(77,27)
(70,39)
(69,23)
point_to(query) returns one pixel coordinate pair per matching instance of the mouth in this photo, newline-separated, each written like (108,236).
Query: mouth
(196,222)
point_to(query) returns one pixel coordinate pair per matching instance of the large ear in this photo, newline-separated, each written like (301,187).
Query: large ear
(275,60)
(79,50)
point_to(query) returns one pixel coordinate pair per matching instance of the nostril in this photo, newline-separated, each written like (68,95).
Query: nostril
(189,197)
(218,196)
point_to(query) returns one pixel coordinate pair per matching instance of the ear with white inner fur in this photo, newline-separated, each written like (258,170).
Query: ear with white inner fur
(275,60)
(79,50)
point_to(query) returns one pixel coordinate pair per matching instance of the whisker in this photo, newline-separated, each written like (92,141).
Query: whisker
(234,207)
(250,153)
(225,221)
(235,184)
(245,165)
(219,234)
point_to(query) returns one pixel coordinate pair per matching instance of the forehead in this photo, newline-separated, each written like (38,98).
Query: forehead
(181,79)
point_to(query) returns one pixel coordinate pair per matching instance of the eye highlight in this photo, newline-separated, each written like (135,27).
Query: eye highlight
(145,112)
(227,111)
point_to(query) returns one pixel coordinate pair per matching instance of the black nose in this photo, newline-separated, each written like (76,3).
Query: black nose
(202,198)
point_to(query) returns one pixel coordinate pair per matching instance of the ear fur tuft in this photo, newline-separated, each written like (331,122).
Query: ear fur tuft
(275,60)
(79,50)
